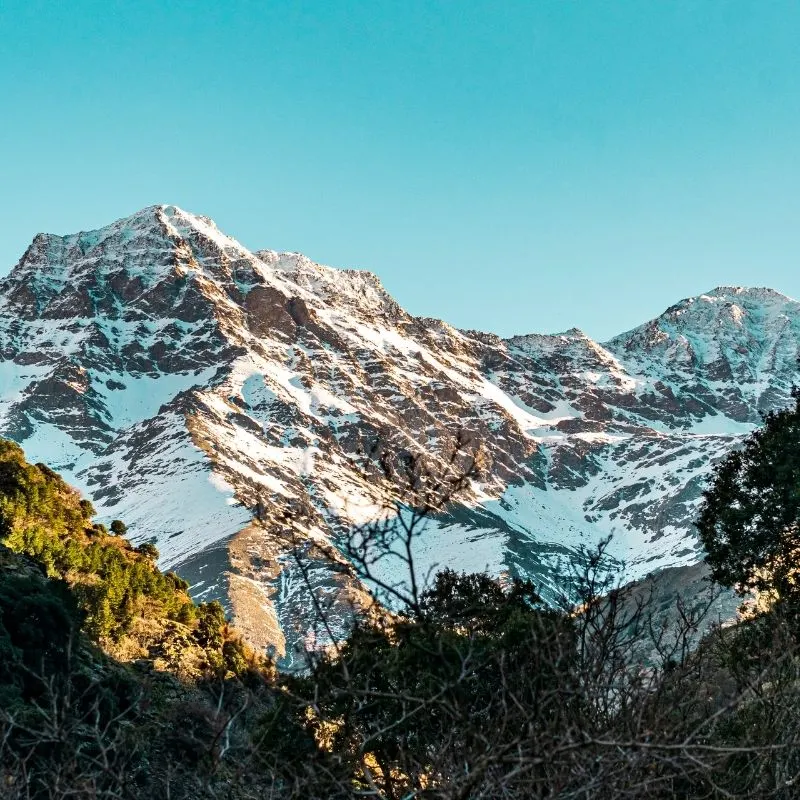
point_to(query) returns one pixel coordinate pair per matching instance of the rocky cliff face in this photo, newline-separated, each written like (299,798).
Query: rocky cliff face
(206,394)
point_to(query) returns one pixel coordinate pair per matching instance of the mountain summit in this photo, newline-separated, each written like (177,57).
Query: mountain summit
(205,393)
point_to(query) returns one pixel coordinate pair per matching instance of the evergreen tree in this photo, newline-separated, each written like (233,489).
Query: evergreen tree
(750,518)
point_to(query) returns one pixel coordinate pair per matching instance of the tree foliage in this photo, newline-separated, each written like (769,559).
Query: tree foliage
(749,522)
(417,697)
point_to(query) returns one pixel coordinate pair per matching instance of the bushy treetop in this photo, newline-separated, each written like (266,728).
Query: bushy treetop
(749,521)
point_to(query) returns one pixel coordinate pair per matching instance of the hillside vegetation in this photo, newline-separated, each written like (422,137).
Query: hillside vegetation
(115,684)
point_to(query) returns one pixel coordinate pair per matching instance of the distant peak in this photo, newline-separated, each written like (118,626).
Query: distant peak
(168,213)
(155,220)
(149,244)
(744,296)
(701,318)
(754,292)
(144,218)
(153,215)
(573,333)
(149,211)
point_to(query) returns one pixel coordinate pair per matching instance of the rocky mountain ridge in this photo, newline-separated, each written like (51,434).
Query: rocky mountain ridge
(205,393)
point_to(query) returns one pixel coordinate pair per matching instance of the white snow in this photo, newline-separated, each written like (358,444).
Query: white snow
(143,395)
(275,416)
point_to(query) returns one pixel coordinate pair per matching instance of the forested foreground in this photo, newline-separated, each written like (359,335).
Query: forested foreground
(114,684)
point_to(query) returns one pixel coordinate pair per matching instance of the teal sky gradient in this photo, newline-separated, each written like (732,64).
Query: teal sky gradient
(508,166)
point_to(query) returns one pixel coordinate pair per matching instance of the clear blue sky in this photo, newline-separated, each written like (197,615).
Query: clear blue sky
(509,166)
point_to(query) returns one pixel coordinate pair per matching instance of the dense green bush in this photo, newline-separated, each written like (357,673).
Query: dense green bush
(37,624)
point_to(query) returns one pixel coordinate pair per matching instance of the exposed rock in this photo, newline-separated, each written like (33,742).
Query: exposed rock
(206,395)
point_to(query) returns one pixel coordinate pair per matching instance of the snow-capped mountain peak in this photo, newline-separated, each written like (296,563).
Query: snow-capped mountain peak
(202,392)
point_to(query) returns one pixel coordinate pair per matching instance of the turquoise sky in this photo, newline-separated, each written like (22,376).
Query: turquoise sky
(508,166)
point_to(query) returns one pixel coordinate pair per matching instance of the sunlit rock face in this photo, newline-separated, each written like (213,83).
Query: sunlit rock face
(206,394)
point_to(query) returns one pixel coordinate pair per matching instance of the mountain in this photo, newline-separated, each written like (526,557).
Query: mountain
(206,394)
